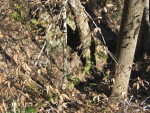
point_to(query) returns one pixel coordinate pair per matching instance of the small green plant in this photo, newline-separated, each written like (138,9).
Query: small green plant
(34,21)
(40,105)
(30,110)
(105,75)
(16,16)
(49,96)
(91,102)
(106,109)
(76,81)
(33,88)
(20,11)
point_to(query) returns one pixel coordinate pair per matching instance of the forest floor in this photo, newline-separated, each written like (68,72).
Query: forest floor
(29,87)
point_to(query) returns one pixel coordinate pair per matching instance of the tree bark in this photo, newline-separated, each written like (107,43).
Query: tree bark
(81,21)
(143,44)
(130,24)
(146,30)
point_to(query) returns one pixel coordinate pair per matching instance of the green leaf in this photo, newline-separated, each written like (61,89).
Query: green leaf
(76,81)
(34,21)
(30,110)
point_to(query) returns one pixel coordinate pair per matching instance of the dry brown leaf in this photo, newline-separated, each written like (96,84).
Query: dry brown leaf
(1,35)
(2,64)
(25,95)
(11,91)
(61,99)
(17,71)
(96,31)
(64,105)
(146,82)
(4,106)
(26,68)
(65,96)
(1,109)
(108,72)
(2,78)
(14,105)
(15,58)
(113,80)
(109,5)
(17,85)
(96,98)
(148,68)
(17,48)
(138,86)
(27,83)
(13,88)
(8,83)
(105,10)
(43,70)
(134,85)
(48,89)
(139,79)
(22,100)
(39,72)
(142,83)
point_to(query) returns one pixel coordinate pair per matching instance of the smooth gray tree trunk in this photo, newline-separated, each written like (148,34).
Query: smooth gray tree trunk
(82,25)
(129,30)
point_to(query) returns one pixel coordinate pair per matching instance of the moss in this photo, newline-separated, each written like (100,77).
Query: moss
(87,68)
(73,80)
(70,21)
(102,55)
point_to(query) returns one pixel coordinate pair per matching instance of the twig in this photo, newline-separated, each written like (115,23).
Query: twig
(36,62)
(63,6)
(145,100)
(65,72)
(33,80)
(126,109)
(146,107)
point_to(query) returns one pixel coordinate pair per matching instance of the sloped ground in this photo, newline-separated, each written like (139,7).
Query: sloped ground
(30,87)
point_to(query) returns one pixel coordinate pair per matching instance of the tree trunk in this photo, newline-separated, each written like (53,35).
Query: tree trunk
(146,43)
(131,20)
(81,21)
(143,44)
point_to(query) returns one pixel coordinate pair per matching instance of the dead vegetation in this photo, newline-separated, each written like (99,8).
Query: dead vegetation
(31,77)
